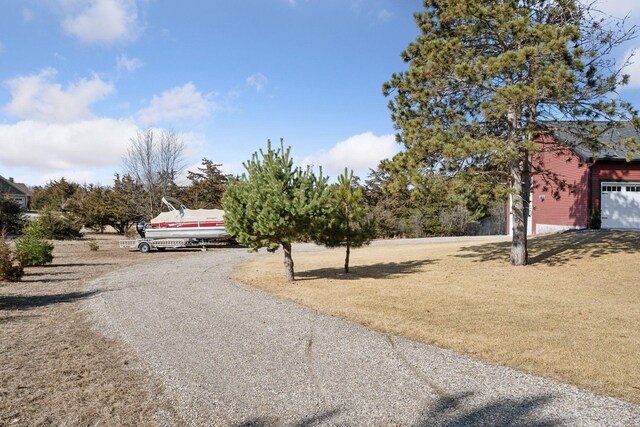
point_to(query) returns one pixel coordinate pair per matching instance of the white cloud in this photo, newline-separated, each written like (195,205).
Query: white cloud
(633,70)
(384,15)
(101,21)
(86,151)
(27,15)
(79,176)
(65,148)
(617,8)
(257,81)
(37,97)
(359,152)
(180,102)
(127,64)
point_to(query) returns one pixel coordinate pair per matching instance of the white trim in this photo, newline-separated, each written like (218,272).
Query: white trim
(553,228)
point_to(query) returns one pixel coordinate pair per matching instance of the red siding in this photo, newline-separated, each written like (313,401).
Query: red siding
(571,209)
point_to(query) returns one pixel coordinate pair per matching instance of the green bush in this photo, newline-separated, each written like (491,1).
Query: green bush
(9,271)
(58,227)
(93,245)
(33,248)
(595,222)
(11,216)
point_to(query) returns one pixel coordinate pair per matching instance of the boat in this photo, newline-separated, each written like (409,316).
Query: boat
(185,223)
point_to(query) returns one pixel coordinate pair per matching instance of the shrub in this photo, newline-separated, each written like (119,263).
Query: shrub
(11,216)
(58,227)
(8,270)
(32,248)
(93,245)
(595,222)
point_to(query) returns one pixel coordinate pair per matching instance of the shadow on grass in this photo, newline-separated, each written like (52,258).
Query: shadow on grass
(451,411)
(51,273)
(44,280)
(77,264)
(383,270)
(8,319)
(320,419)
(559,249)
(19,302)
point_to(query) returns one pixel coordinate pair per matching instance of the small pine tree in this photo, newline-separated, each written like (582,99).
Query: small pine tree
(59,227)
(32,248)
(348,223)
(11,215)
(274,203)
(93,245)
(9,271)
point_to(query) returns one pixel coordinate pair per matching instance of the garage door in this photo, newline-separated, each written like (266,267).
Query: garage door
(620,204)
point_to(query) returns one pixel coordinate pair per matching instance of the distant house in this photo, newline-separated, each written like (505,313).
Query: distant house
(16,191)
(604,180)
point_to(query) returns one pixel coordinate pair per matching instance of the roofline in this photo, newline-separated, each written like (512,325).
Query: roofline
(12,184)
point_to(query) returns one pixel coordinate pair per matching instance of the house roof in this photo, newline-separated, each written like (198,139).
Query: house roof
(609,139)
(14,187)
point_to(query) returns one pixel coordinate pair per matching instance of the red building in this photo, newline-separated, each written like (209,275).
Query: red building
(581,180)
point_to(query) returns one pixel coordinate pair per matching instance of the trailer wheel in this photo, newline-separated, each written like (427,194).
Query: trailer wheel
(144,247)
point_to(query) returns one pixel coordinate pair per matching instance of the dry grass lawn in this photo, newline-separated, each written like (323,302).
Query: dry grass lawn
(55,369)
(572,315)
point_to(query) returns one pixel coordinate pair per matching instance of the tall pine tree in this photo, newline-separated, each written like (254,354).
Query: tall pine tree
(485,78)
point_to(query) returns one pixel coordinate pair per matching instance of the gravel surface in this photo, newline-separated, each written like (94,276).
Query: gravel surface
(231,355)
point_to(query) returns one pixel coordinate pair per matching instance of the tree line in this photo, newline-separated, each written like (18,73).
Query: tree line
(485,82)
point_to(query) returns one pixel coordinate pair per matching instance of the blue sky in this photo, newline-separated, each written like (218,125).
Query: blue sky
(79,78)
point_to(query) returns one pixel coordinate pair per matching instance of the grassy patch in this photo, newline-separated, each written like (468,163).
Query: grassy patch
(572,315)
(56,370)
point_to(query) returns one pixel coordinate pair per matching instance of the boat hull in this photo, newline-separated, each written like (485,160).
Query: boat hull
(200,233)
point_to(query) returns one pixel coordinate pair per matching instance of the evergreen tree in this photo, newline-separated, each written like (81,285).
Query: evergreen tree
(55,195)
(33,248)
(347,223)
(126,203)
(54,225)
(92,206)
(11,216)
(207,187)
(274,203)
(9,271)
(486,78)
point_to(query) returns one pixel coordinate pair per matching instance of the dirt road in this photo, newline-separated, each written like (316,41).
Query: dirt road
(229,354)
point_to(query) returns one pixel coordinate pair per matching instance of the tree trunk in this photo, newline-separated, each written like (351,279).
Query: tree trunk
(346,259)
(520,209)
(288,262)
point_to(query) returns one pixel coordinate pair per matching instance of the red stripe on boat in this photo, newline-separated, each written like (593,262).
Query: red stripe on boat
(186,224)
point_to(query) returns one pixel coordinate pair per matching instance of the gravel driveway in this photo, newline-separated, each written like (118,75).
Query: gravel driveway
(231,355)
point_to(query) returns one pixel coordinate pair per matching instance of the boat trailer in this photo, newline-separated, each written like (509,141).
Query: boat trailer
(145,245)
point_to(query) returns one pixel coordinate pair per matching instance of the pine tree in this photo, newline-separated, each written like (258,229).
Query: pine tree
(207,187)
(486,78)
(126,203)
(33,248)
(9,271)
(11,215)
(347,223)
(274,203)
